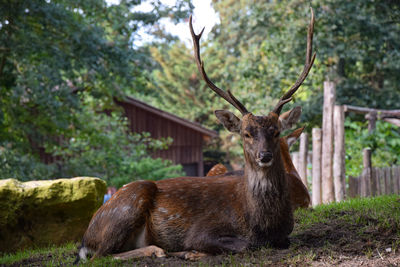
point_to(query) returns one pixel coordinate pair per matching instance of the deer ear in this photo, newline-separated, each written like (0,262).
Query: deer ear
(289,118)
(294,136)
(229,120)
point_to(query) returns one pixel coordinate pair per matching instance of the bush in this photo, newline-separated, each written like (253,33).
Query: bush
(103,148)
(384,143)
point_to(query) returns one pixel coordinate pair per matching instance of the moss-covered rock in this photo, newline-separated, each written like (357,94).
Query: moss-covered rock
(39,213)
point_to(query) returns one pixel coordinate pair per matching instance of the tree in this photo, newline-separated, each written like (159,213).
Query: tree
(179,86)
(56,56)
(358,50)
(258,52)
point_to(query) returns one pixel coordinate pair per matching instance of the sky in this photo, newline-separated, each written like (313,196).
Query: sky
(203,16)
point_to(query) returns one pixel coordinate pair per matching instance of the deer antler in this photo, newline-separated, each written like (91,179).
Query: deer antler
(307,67)
(228,96)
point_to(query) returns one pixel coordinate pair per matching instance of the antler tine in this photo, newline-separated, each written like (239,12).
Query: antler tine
(228,96)
(307,67)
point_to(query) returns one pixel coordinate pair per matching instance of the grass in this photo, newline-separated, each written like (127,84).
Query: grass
(57,255)
(383,209)
(329,233)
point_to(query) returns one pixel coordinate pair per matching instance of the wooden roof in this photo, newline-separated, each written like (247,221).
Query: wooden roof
(166,115)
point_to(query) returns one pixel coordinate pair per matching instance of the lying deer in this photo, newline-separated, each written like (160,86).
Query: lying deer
(208,215)
(299,196)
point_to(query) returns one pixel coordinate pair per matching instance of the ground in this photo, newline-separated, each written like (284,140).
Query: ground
(360,232)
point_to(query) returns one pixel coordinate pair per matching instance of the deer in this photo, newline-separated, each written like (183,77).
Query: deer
(192,217)
(299,196)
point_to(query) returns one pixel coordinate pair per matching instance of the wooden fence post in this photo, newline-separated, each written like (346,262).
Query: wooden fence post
(303,150)
(396,179)
(379,175)
(328,194)
(353,187)
(390,181)
(374,188)
(339,163)
(371,117)
(386,181)
(316,166)
(366,174)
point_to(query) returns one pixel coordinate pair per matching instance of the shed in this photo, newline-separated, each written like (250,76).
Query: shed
(188,137)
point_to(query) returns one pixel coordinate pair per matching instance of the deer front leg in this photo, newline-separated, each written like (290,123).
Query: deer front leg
(211,245)
(140,252)
(188,255)
(216,242)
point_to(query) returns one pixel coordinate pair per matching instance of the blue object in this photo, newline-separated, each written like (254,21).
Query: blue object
(106,198)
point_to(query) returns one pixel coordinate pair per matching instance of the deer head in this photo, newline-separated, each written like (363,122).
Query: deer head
(260,134)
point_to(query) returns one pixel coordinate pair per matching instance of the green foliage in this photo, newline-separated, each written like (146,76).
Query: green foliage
(22,166)
(264,49)
(106,148)
(54,56)
(103,148)
(178,87)
(258,52)
(384,142)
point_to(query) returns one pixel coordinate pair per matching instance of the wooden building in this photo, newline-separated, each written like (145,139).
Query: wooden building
(188,137)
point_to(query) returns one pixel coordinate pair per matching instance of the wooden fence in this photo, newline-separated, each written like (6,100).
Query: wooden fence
(374,181)
(327,158)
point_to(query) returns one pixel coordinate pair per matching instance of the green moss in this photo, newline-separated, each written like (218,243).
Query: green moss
(39,213)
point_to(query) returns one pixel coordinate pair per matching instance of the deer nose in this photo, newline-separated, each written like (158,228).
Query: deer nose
(265,156)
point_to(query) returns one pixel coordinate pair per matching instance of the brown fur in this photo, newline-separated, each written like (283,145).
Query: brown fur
(208,214)
(299,196)
(217,169)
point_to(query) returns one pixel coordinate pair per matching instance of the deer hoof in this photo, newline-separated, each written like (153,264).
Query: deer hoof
(194,255)
(157,252)
(188,255)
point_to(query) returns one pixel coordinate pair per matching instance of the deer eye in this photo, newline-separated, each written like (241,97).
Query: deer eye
(247,135)
(271,132)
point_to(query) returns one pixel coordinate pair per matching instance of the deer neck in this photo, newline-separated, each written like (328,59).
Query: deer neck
(265,182)
(267,199)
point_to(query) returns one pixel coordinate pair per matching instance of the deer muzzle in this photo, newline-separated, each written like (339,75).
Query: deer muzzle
(265,158)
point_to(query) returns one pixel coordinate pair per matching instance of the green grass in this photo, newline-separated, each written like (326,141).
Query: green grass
(364,218)
(56,252)
(384,209)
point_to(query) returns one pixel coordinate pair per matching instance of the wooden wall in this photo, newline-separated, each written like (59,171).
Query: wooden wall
(187,145)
